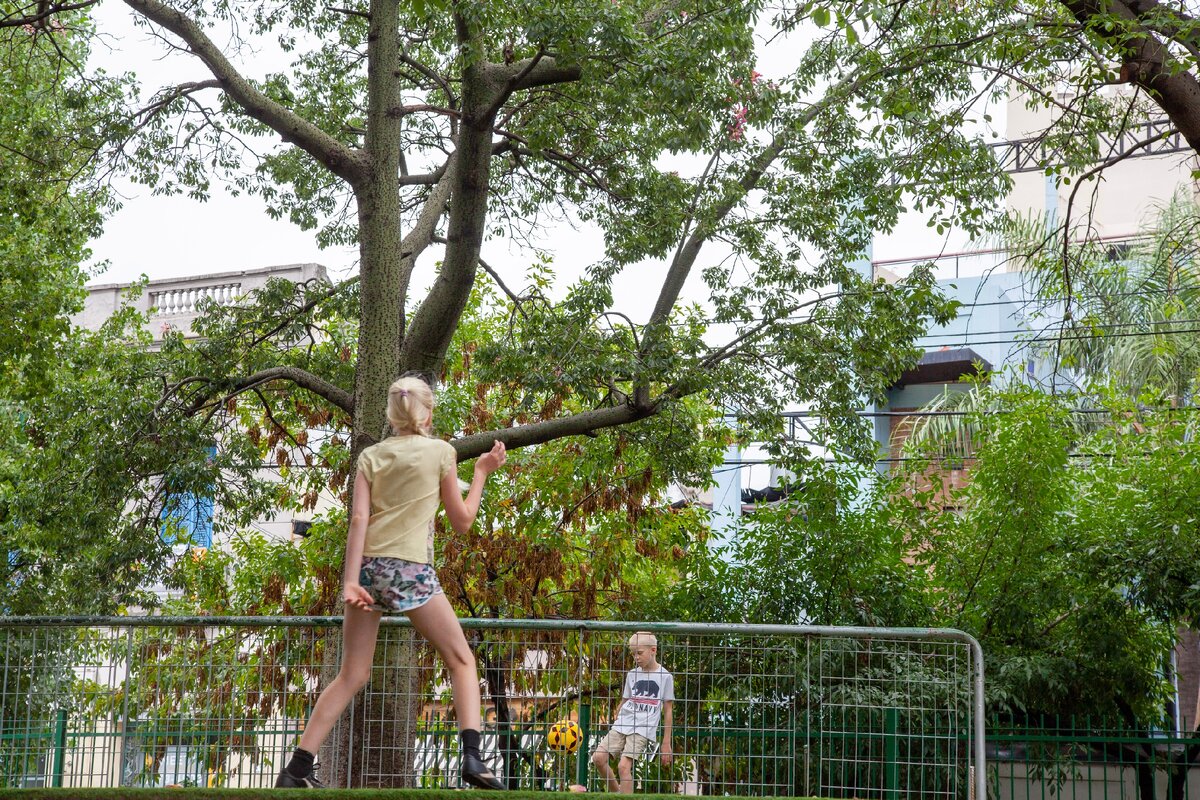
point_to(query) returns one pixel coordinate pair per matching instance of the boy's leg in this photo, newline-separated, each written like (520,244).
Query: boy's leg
(359,632)
(438,623)
(611,743)
(600,760)
(635,744)
(625,768)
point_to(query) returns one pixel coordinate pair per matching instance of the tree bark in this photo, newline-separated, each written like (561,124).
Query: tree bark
(1146,62)
(428,339)
(383,725)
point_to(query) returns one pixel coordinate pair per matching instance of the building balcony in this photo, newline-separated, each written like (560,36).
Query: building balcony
(174,303)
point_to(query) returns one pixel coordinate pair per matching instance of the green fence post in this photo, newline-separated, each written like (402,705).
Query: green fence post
(581,763)
(891,754)
(60,747)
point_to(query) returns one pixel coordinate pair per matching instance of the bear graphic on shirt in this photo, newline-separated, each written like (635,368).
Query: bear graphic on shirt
(645,690)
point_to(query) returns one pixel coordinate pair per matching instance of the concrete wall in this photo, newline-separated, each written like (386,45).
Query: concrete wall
(172,302)
(1119,201)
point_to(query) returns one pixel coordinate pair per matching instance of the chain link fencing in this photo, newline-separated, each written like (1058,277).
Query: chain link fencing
(758,710)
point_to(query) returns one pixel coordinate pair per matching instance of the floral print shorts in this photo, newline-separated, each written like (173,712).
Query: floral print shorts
(398,585)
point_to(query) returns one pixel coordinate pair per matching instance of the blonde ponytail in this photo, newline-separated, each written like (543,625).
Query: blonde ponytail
(410,405)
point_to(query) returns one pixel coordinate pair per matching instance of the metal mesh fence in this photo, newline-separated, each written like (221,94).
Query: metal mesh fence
(757,710)
(1084,759)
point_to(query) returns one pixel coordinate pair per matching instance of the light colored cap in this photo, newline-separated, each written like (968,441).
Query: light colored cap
(643,639)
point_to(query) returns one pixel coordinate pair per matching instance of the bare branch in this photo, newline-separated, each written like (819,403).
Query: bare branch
(343,161)
(167,96)
(451,98)
(495,276)
(301,377)
(350,12)
(304,308)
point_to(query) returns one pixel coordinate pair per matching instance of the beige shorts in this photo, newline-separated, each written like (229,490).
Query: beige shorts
(626,745)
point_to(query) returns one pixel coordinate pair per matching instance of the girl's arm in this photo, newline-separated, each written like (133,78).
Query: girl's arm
(353,592)
(461,512)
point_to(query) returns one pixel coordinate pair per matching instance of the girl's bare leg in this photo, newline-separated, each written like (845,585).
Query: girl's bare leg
(359,632)
(437,622)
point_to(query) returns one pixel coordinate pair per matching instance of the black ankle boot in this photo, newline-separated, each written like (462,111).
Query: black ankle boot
(477,774)
(289,780)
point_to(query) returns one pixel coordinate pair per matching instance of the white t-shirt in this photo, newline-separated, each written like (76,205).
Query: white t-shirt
(644,694)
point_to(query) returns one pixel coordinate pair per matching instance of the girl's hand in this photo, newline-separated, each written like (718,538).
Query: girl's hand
(492,460)
(355,595)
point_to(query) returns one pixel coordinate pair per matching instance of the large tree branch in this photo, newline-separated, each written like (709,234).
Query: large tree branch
(428,337)
(1172,23)
(343,161)
(485,89)
(425,179)
(529,73)
(302,378)
(42,11)
(549,430)
(1146,62)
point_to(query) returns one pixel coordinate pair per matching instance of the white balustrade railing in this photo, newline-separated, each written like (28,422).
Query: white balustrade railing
(186,300)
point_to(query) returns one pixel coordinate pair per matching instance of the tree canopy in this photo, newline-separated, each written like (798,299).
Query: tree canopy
(410,129)
(428,130)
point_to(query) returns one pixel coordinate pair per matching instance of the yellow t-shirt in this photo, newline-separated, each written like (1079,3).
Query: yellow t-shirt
(405,473)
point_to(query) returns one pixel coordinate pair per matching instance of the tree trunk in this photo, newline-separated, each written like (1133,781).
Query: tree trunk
(1177,775)
(1144,767)
(493,671)
(377,741)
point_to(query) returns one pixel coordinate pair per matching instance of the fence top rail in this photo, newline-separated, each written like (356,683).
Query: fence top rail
(472,623)
(1032,736)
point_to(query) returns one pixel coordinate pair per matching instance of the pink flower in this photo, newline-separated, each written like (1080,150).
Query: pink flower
(738,128)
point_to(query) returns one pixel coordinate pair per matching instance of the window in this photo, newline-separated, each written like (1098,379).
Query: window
(187,518)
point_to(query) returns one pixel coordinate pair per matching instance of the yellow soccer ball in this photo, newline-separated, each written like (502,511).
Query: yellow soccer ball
(564,736)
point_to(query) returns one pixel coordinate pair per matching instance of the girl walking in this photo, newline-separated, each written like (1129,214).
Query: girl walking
(389,557)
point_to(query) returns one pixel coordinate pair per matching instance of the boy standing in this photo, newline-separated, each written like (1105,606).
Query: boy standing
(648,695)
